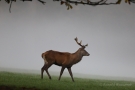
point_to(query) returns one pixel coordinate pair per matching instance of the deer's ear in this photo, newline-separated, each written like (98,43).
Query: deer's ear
(83,47)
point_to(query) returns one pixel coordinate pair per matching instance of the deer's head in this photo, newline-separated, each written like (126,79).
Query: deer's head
(82,49)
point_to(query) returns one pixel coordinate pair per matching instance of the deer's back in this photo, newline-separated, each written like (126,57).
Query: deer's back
(58,58)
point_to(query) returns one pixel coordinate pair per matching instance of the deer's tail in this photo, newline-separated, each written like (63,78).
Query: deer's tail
(43,56)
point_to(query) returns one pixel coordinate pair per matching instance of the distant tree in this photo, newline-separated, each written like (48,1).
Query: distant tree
(68,3)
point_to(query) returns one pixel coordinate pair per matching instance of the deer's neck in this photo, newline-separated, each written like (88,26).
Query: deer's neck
(77,56)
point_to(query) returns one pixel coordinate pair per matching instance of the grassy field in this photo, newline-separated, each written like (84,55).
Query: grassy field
(17,81)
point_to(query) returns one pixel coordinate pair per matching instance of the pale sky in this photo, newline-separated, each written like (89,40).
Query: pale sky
(32,28)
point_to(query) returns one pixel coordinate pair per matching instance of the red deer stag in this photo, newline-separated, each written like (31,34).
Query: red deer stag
(63,59)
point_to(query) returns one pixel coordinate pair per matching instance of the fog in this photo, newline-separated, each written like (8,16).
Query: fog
(32,28)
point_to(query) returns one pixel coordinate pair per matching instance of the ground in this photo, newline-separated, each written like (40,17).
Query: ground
(3,87)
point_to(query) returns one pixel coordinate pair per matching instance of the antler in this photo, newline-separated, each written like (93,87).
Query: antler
(86,45)
(76,39)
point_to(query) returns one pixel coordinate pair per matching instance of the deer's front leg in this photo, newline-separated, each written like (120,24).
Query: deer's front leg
(62,69)
(70,72)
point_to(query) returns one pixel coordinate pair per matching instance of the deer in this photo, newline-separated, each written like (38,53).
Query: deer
(63,59)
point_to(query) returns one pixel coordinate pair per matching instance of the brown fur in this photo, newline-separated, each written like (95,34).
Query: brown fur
(64,59)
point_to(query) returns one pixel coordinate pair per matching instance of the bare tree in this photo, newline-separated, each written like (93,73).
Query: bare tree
(69,3)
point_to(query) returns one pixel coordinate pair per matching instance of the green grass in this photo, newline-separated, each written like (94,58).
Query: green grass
(33,80)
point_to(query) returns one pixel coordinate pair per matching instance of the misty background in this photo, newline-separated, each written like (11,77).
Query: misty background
(32,28)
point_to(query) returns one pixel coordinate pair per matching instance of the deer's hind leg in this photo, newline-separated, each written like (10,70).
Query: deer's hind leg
(46,69)
(42,71)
